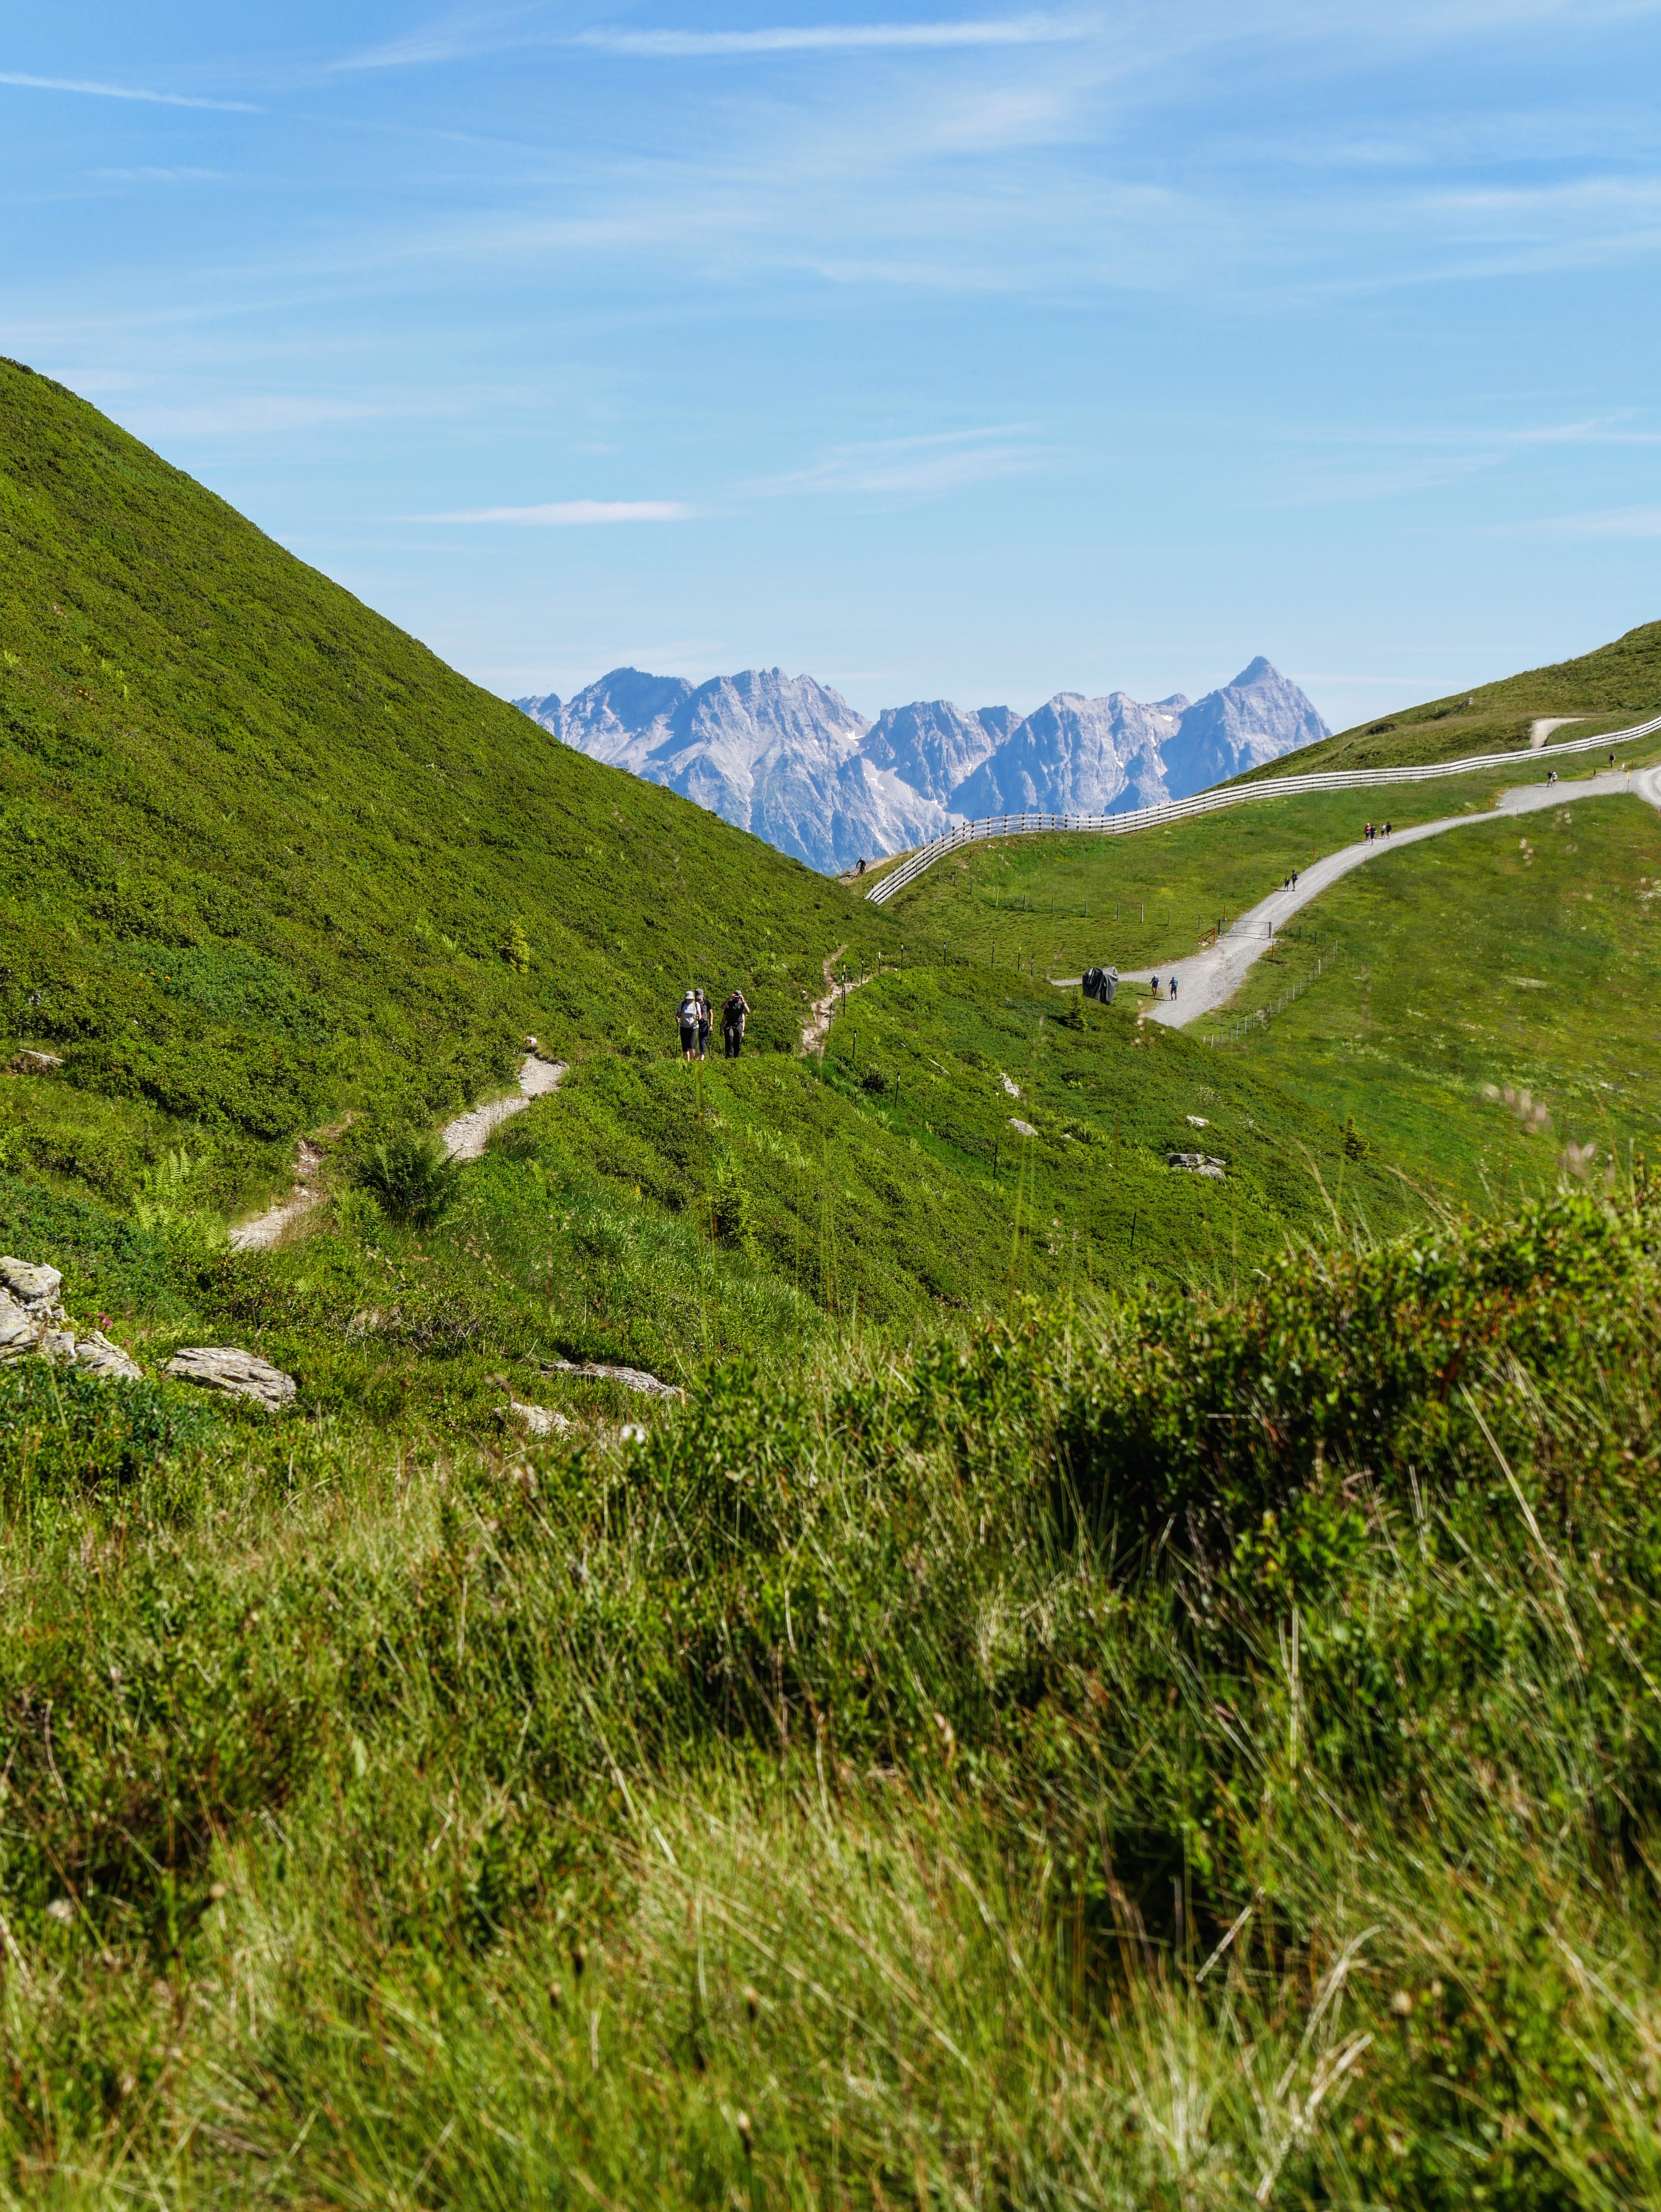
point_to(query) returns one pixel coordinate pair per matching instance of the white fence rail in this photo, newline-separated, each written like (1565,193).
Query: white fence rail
(1207,802)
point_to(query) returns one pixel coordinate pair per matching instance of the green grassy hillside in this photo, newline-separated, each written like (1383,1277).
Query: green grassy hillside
(1115,1688)
(1615,685)
(1548,983)
(270,866)
(1057,904)
(263,858)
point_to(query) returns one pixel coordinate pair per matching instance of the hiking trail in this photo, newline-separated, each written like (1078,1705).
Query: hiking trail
(465,1138)
(818,1024)
(266,1229)
(1209,980)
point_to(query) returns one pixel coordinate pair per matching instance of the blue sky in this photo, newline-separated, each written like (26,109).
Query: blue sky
(932,351)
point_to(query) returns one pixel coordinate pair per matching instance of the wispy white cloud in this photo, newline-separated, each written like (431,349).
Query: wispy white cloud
(840,38)
(452,38)
(161,176)
(570,511)
(1441,456)
(260,415)
(1611,522)
(916,467)
(100,91)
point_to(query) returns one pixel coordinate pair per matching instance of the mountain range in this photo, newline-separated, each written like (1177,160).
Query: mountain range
(788,759)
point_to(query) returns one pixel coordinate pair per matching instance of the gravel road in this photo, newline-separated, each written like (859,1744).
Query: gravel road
(1209,980)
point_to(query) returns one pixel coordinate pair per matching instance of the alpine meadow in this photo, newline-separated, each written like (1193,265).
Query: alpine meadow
(996,1602)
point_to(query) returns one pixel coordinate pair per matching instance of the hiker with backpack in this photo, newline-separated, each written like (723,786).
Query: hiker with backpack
(733,1015)
(704,1023)
(687,1017)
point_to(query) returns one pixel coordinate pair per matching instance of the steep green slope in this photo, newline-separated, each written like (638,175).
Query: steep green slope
(1616,685)
(268,863)
(263,857)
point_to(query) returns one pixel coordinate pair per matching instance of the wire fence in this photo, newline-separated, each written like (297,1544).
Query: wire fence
(1209,802)
(1242,1027)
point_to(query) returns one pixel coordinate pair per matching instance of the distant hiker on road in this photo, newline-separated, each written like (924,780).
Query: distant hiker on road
(688,1018)
(1156,987)
(1295,879)
(1173,986)
(733,1015)
(704,1024)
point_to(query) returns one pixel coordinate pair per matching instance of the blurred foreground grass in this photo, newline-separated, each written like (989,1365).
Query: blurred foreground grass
(1172,1753)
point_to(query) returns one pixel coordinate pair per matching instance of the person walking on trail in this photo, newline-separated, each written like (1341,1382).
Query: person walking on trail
(1173,986)
(733,1015)
(704,1024)
(1156,987)
(688,1018)
(1295,879)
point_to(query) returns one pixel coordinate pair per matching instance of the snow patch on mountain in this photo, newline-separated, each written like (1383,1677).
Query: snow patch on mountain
(776,755)
(788,759)
(933,745)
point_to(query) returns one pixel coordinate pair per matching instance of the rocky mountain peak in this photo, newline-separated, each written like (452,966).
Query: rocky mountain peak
(787,758)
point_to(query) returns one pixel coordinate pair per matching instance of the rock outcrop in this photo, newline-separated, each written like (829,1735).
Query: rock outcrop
(234,1374)
(106,1360)
(32,1324)
(631,1378)
(537,1420)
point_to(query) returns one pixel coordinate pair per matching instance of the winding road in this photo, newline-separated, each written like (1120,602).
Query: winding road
(1209,980)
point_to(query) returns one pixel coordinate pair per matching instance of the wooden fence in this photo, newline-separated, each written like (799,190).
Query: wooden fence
(1228,795)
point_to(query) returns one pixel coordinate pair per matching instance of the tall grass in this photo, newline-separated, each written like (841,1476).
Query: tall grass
(1169,1755)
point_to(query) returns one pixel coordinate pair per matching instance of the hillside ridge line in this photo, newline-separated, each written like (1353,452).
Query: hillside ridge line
(1227,795)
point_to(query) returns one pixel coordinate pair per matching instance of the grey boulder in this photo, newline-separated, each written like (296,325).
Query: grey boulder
(20,1331)
(540,1421)
(36,1288)
(106,1360)
(234,1374)
(30,1312)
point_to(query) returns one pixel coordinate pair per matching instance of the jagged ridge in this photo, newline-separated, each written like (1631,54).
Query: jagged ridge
(790,760)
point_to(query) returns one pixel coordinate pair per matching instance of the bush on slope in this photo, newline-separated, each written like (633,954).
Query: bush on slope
(881,1759)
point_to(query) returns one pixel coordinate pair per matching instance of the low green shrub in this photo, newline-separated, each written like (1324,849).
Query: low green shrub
(410,1175)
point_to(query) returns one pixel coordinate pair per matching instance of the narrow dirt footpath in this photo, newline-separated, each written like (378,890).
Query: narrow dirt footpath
(465,1138)
(266,1229)
(1209,980)
(818,1024)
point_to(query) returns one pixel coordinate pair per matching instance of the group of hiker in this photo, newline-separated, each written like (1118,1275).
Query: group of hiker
(1377,829)
(696,1021)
